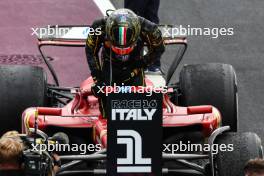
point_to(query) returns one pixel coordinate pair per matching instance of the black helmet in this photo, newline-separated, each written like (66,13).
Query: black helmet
(123,29)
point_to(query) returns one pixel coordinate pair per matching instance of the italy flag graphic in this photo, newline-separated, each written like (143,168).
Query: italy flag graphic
(122,35)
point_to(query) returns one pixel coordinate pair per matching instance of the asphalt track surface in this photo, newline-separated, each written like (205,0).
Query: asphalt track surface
(244,50)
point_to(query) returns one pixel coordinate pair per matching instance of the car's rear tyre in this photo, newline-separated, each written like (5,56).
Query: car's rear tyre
(211,84)
(20,87)
(246,146)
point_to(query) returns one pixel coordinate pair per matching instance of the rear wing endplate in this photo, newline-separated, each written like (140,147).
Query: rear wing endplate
(76,35)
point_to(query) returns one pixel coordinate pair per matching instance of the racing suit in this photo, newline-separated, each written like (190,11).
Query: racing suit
(127,69)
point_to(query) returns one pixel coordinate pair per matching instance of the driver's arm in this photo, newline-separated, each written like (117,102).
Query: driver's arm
(153,38)
(93,44)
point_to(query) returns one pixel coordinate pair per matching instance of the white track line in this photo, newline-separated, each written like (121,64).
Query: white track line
(104,5)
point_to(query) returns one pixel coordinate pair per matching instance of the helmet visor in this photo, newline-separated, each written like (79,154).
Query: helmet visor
(122,37)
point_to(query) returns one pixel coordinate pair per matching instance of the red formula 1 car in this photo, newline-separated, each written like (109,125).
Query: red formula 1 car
(201,108)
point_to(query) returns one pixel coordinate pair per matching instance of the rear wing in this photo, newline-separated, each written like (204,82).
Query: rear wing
(76,35)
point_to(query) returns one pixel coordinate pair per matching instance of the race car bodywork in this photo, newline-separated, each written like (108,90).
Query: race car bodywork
(203,100)
(83,112)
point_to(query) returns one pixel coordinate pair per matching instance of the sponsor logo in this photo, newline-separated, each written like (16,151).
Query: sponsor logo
(134,118)
(143,110)
(133,141)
